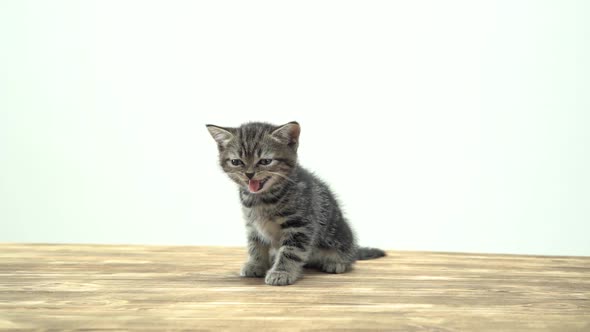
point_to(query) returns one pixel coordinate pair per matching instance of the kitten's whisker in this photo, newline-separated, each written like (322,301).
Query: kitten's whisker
(283,176)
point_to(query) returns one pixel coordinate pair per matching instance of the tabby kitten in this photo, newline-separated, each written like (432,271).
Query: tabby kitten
(292,218)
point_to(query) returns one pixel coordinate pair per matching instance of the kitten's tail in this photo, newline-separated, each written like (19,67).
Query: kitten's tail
(369,253)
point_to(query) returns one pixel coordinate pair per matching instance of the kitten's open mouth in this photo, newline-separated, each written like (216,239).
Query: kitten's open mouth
(256,185)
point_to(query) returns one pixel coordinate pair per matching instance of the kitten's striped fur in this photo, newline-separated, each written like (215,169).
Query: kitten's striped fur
(293,220)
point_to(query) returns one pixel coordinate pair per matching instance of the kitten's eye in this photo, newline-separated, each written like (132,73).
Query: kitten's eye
(265,162)
(236,162)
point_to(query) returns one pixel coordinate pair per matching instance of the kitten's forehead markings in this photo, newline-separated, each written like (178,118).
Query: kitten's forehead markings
(243,149)
(248,159)
(250,141)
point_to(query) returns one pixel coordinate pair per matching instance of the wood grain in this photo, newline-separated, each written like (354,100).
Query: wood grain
(157,288)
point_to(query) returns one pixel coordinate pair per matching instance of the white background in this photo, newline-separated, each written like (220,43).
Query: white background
(441,125)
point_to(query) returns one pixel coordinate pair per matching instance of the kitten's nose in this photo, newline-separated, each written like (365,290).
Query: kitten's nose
(250,175)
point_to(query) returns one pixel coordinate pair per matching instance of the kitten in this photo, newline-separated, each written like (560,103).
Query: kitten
(292,217)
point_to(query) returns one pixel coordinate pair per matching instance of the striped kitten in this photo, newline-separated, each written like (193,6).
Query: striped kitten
(292,217)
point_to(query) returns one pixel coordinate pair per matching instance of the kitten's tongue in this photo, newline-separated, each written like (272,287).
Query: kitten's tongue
(254,185)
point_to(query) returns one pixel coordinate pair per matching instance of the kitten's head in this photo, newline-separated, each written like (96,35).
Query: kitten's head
(257,155)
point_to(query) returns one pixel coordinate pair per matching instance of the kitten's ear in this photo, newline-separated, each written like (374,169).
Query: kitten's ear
(221,135)
(287,133)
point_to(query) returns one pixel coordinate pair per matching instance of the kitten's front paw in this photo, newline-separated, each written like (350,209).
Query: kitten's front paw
(253,270)
(335,267)
(280,278)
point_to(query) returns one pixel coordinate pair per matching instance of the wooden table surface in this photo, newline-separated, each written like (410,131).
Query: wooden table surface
(116,287)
